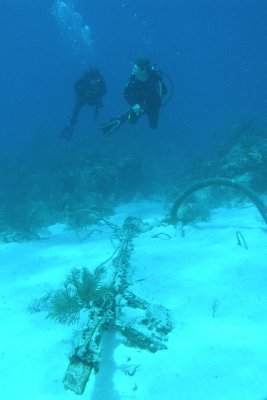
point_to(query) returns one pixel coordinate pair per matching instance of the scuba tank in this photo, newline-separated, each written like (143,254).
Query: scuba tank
(170,86)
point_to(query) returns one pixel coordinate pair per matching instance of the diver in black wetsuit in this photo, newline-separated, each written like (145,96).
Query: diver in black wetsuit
(144,91)
(89,90)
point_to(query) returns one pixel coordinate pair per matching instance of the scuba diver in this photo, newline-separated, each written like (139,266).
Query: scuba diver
(89,90)
(144,92)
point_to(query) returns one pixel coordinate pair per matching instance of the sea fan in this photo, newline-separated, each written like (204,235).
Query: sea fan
(81,290)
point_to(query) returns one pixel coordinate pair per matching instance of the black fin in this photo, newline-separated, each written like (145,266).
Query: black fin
(67,133)
(114,123)
(110,126)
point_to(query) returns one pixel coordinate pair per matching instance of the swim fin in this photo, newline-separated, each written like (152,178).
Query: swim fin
(67,133)
(114,124)
(108,127)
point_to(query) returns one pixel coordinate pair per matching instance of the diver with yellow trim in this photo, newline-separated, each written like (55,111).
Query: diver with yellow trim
(143,92)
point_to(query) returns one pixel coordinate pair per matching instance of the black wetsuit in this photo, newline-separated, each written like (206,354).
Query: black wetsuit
(147,94)
(88,93)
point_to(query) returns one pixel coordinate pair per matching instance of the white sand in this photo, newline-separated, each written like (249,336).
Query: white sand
(209,357)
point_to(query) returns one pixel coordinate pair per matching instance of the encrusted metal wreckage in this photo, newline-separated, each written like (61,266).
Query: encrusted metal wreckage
(147,328)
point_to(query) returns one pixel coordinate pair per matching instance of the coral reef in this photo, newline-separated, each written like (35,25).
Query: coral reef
(81,186)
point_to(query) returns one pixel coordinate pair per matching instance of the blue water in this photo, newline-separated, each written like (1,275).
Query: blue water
(214,52)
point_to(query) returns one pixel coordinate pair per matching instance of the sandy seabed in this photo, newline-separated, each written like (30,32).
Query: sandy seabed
(214,288)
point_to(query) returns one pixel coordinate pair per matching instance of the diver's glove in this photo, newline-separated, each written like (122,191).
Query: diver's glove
(137,109)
